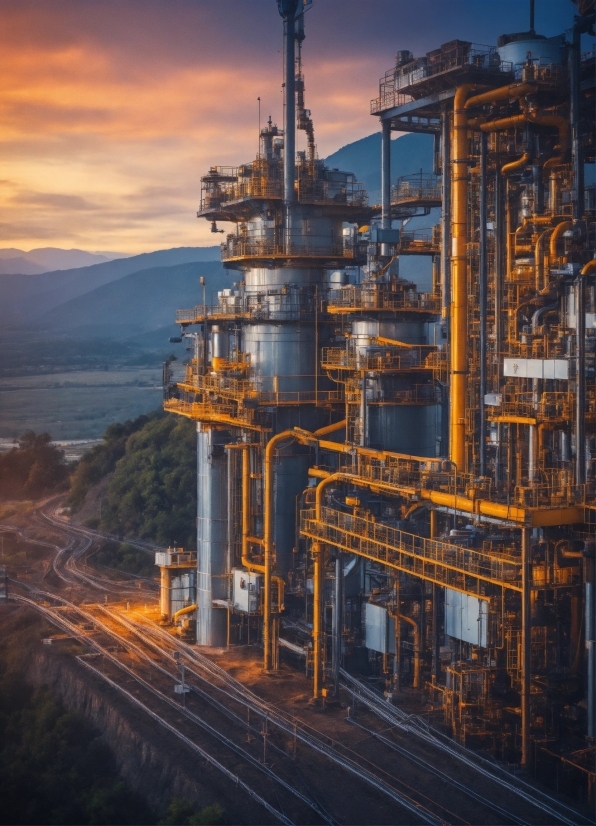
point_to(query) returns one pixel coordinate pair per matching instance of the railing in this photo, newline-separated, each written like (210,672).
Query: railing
(421,241)
(211,388)
(419,394)
(380,360)
(373,298)
(264,179)
(216,412)
(419,187)
(443,563)
(238,247)
(459,56)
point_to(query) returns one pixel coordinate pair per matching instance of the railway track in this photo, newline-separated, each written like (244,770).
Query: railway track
(405,769)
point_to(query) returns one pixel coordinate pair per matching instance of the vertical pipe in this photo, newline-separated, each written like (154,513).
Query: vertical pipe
(526,646)
(289,116)
(231,523)
(165,606)
(397,659)
(385,179)
(459,280)
(482,299)
(589,571)
(363,412)
(337,621)
(446,215)
(577,193)
(580,394)
(317,552)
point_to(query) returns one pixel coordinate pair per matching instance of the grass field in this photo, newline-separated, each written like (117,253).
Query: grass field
(76,405)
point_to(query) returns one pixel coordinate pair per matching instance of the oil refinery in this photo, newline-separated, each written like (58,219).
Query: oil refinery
(400,483)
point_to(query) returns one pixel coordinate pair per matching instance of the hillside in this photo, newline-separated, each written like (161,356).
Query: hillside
(26,298)
(409,154)
(137,303)
(46,259)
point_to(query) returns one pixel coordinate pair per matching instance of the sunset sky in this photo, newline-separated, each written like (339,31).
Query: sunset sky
(111,110)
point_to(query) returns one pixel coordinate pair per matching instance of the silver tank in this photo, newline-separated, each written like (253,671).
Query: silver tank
(403,428)
(212,535)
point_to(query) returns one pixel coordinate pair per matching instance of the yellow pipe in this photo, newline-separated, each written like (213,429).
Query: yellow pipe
(331,428)
(188,610)
(557,232)
(414,624)
(317,552)
(513,166)
(539,258)
(246,538)
(459,278)
(589,268)
(268,542)
(502,93)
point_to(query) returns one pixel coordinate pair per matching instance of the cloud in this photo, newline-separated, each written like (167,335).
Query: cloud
(110,112)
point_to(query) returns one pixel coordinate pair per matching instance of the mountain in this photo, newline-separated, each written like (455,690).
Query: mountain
(25,298)
(45,259)
(19,264)
(409,154)
(137,304)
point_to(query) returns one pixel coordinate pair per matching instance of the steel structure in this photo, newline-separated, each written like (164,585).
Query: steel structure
(429,456)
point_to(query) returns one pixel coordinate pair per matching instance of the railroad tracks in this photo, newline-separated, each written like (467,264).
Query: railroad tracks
(292,771)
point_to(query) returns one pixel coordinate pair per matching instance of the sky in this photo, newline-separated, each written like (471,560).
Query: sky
(111,110)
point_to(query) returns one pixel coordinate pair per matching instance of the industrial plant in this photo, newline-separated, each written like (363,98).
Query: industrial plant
(397,482)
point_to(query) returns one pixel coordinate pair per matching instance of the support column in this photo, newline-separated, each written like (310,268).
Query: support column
(526,645)
(165,608)
(212,535)
(589,584)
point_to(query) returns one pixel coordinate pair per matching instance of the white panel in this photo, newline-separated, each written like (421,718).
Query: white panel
(247,587)
(466,617)
(380,629)
(536,368)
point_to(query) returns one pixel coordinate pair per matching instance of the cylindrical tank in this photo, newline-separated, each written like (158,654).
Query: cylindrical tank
(282,356)
(390,423)
(517,49)
(212,534)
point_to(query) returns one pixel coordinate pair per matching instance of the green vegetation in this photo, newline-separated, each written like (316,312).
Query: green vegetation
(152,490)
(54,766)
(124,557)
(34,468)
(182,813)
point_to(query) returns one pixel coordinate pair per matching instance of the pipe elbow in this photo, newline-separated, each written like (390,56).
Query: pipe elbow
(188,610)
(589,268)
(557,233)
(514,166)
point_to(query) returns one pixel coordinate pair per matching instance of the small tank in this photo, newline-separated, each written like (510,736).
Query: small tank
(523,46)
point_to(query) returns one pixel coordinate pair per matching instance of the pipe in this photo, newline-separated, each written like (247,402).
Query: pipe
(589,268)
(246,561)
(502,93)
(526,645)
(287,8)
(414,625)
(459,280)
(513,166)
(539,259)
(317,552)
(590,586)
(557,233)
(337,621)
(385,179)
(482,299)
(164,592)
(445,215)
(270,451)
(577,192)
(188,610)
(580,390)
(330,428)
